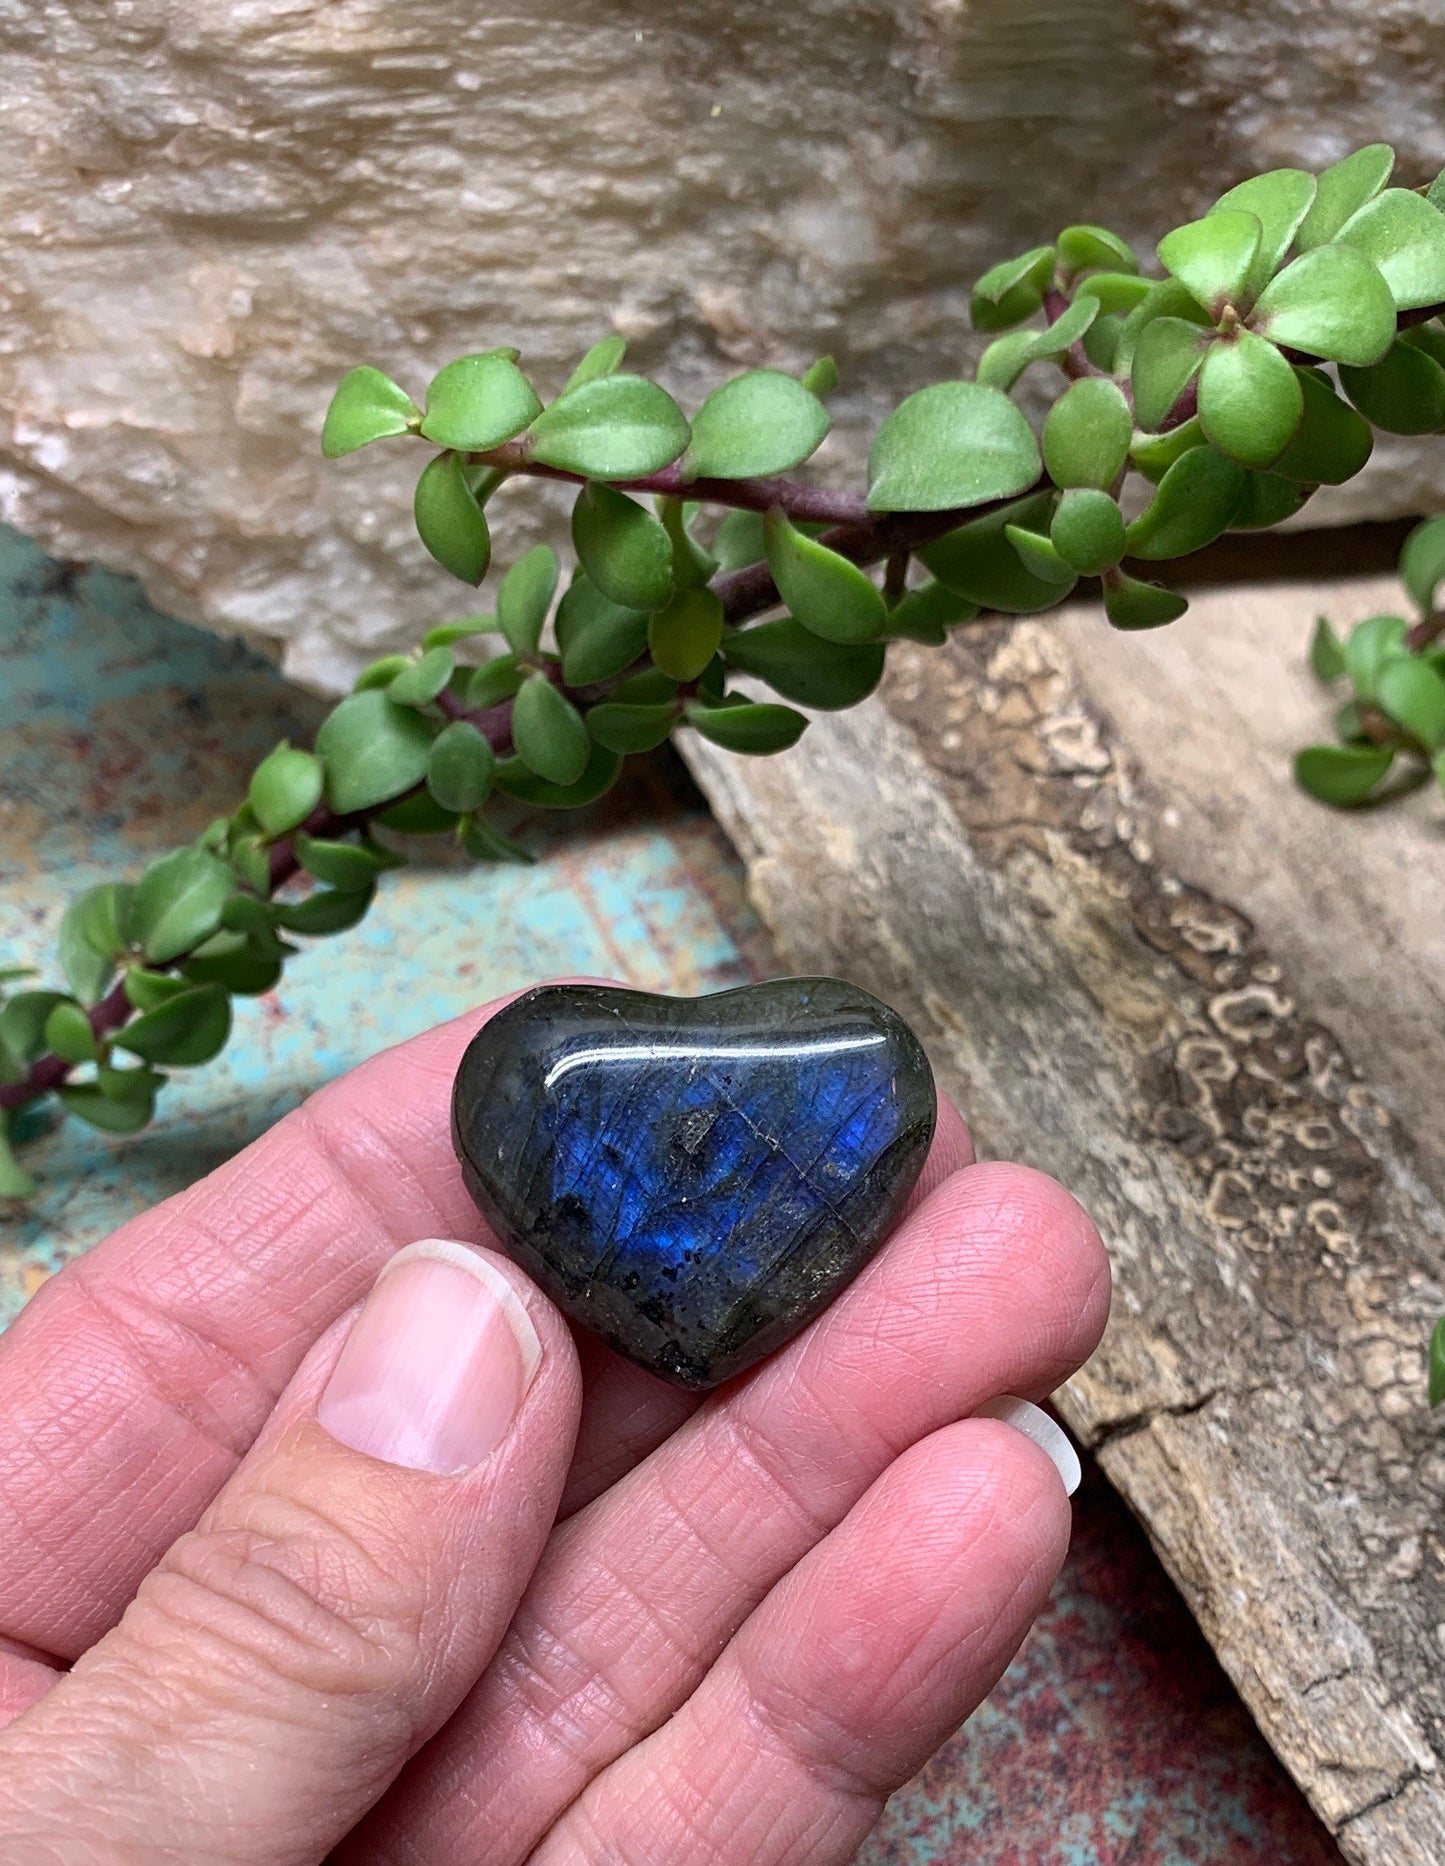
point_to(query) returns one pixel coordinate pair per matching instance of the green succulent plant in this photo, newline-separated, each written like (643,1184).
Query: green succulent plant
(1391,728)
(1291,322)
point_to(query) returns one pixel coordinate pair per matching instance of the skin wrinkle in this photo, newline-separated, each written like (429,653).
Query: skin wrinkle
(749,1440)
(429,1173)
(293,1574)
(529,1669)
(912,1295)
(352,1166)
(614,1438)
(863,1410)
(686,1827)
(136,1364)
(634,1720)
(269,1239)
(588,1848)
(87,1837)
(626,1713)
(686,1499)
(329,1131)
(687,1815)
(104,1769)
(55,1537)
(191,1617)
(672,1634)
(383,1594)
(803,1722)
(263,1197)
(804,1736)
(819,1353)
(184,1226)
(415,1147)
(817,1391)
(1032,1580)
(125,1321)
(678,1551)
(295,1722)
(265,1204)
(550,1675)
(799,1745)
(997,1262)
(230,1669)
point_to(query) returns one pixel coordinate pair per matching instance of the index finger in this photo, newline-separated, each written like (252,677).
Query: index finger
(135,1380)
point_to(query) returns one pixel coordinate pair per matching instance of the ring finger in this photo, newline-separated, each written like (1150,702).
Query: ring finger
(848,1676)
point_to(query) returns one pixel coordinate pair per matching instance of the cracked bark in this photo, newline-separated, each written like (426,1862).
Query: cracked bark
(1148,1416)
(1410,1777)
(1136,983)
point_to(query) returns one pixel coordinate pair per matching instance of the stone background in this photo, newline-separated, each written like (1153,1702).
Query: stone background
(208,212)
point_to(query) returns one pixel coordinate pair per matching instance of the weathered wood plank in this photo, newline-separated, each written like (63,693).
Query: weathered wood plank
(1143,984)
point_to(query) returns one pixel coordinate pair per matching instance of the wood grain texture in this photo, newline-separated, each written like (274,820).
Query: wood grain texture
(1143,984)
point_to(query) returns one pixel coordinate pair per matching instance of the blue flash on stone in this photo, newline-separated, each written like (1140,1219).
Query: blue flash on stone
(694,1179)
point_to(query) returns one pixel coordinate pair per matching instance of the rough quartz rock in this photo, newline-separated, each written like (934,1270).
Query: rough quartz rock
(694,1178)
(208,212)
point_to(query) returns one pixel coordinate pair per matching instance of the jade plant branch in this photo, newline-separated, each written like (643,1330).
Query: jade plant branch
(863,537)
(803,504)
(1212,383)
(115,1009)
(745,594)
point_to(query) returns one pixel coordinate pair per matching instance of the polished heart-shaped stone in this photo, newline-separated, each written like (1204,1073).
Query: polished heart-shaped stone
(693,1179)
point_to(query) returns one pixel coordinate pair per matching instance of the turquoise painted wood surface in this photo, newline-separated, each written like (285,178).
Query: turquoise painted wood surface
(1114,1740)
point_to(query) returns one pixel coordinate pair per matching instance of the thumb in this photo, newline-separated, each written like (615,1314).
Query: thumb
(335,1602)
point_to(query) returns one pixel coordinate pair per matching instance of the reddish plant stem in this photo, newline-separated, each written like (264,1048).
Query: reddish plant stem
(1185,409)
(282,855)
(1425,632)
(1187,406)
(1377,728)
(864,539)
(493,722)
(810,504)
(748,592)
(1075,361)
(49,1072)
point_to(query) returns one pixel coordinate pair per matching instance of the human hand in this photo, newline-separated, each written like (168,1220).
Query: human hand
(303,1565)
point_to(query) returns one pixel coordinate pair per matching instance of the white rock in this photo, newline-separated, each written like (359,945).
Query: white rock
(208,212)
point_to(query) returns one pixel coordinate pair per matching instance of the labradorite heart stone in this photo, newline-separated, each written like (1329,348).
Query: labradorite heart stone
(693,1179)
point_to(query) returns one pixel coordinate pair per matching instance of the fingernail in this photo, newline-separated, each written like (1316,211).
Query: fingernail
(1047,1434)
(437,1365)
